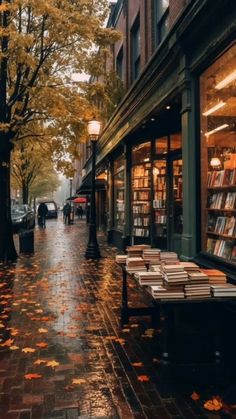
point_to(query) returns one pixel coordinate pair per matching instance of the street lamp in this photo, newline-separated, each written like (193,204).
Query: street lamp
(92,251)
(70,218)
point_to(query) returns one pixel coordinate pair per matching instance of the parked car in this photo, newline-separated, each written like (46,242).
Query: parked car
(22,217)
(52,209)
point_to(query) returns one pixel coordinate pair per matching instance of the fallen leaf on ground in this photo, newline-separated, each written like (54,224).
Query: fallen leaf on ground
(32,376)
(8,342)
(78,381)
(52,364)
(39,362)
(143,378)
(26,350)
(215,404)
(195,396)
(42,345)
(137,364)
(14,348)
(42,330)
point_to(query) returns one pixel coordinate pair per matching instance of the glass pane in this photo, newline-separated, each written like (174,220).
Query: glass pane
(119,194)
(159,203)
(141,193)
(175,141)
(141,153)
(218,157)
(161,145)
(177,197)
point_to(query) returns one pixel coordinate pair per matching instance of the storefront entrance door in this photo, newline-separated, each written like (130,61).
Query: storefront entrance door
(175,216)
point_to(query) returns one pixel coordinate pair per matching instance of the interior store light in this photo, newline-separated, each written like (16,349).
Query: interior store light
(214,108)
(231,77)
(216,129)
(215,162)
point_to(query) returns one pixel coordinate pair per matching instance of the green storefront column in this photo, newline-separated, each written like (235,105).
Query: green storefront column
(189,156)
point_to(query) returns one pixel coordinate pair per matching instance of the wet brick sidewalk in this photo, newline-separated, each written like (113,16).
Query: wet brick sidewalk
(63,354)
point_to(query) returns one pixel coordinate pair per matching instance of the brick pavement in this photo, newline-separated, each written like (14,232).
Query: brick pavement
(58,306)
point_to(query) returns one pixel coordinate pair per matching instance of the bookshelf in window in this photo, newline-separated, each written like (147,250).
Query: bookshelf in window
(221,214)
(159,202)
(119,195)
(141,194)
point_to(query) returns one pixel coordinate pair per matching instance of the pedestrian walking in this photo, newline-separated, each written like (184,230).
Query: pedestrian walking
(42,213)
(66,213)
(80,211)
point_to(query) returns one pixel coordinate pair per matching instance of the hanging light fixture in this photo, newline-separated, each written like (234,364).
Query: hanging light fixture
(215,162)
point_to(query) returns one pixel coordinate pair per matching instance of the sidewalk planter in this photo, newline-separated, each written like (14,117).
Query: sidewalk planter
(26,241)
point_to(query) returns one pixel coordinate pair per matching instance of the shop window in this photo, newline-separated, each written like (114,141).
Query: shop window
(120,64)
(141,190)
(218,157)
(161,145)
(135,49)
(175,141)
(161,14)
(119,193)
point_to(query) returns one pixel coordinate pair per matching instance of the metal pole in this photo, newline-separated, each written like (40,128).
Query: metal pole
(92,251)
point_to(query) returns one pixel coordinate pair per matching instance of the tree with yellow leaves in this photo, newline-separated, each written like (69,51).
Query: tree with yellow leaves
(42,43)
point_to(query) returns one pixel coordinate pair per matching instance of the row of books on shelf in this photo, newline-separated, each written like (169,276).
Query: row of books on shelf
(120,195)
(141,171)
(160,219)
(222,200)
(221,225)
(159,203)
(141,208)
(142,183)
(222,248)
(120,206)
(224,177)
(141,195)
(141,221)
(141,232)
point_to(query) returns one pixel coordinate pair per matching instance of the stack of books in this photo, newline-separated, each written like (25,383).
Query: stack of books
(152,256)
(197,291)
(215,276)
(135,264)
(190,266)
(159,292)
(169,258)
(174,275)
(224,290)
(149,278)
(121,259)
(198,277)
(136,250)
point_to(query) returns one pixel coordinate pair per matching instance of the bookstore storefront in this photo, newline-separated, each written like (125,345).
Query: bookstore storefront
(218,159)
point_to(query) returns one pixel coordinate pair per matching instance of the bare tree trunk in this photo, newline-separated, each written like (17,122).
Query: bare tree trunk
(25,192)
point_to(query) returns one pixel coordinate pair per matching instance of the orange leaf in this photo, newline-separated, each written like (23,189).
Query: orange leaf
(195,396)
(143,378)
(32,376)
(42,345)
(137,364)
(8,342)
(42,330)
(213,405)
(78,381)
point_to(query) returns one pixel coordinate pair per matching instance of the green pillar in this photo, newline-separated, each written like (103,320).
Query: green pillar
(189,156)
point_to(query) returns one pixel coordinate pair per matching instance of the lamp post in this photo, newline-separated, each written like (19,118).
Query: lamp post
(92,251)
(70,218)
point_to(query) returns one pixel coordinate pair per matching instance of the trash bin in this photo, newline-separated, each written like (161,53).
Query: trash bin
(26,239)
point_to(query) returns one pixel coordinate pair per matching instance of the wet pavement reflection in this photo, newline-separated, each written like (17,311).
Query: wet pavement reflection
(62,351)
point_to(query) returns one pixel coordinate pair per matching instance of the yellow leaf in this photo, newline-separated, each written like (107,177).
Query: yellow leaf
(52,364)
(14,348)
(28,350)
(42,330)
(78,381)
(39,362)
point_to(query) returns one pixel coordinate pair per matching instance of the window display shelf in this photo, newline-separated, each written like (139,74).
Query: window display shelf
(141,194)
